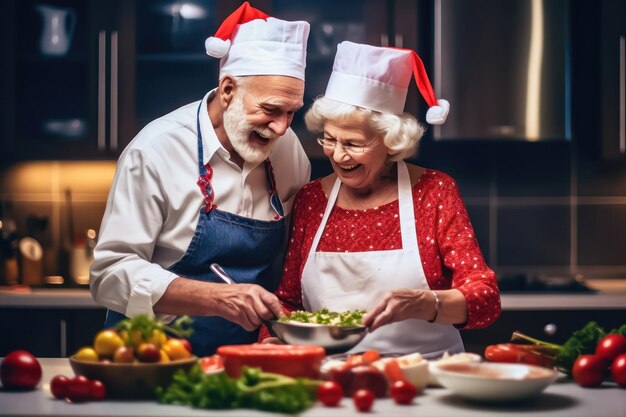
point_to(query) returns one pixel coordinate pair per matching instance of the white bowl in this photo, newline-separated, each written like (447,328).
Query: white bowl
(494,382)
(415,370)
(463,357)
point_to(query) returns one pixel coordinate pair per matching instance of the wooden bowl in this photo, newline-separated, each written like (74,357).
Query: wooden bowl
(131,380)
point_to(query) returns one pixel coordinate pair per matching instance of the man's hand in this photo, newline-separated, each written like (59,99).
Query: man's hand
(246,304)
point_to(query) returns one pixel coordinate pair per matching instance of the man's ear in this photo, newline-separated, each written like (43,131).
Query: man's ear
(226,90)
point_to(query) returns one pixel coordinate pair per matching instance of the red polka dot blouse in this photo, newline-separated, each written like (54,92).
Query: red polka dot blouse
(450,255)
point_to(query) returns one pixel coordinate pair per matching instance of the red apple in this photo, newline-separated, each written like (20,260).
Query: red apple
(148,352)
(124,354)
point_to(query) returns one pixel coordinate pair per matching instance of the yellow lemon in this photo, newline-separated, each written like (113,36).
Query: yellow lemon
(107,342)
(87,354)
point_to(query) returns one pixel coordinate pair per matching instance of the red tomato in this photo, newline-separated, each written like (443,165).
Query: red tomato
(211,363)
(98,390)
(611,346)
(363,400)
(58,386)
(329,393)
(618,370)
(589,370)
(79,389)
(20,370)
(403,392)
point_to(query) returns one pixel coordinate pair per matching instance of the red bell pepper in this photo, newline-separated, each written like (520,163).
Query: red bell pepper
(516,353)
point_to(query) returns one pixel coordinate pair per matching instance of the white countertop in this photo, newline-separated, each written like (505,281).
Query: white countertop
(562,399)
(81,298)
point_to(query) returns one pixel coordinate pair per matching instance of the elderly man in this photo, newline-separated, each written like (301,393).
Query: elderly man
(209,183)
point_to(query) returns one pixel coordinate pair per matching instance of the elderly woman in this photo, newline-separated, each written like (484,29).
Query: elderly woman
(379,234)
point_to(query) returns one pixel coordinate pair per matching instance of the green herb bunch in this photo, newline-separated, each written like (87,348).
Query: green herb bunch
(254,389)
(582,341)
(145,325)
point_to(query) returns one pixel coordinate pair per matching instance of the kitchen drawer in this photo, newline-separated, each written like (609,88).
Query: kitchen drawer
(48,332)
(533,323)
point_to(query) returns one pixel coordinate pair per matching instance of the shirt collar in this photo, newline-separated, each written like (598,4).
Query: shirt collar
(210,143)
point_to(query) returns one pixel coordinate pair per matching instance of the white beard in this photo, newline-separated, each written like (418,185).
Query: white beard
(239,130)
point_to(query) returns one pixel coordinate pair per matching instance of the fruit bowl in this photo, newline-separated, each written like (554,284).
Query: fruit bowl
(131,380)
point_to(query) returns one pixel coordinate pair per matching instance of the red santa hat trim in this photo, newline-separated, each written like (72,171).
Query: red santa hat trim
(218,45)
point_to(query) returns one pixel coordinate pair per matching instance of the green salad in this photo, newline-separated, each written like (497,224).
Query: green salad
(324,316)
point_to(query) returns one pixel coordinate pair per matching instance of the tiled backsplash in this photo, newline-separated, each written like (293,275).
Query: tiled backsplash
(535,207)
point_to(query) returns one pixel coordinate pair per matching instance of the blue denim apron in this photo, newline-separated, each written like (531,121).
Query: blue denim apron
(250,250)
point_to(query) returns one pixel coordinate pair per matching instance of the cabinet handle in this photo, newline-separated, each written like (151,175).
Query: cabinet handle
(63,337)
(384,39)
(399,41)
(102,44)
(622,95)
(114,84)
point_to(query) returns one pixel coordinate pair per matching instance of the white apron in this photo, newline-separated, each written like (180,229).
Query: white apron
(358,280)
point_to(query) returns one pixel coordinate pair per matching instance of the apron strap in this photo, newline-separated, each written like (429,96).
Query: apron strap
(332,198)
(405,207)
(275,202)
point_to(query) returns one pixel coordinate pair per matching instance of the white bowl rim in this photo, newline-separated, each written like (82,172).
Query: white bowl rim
(547,373)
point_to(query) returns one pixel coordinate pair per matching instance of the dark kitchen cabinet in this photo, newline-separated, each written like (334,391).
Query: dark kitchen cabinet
(48,332)
(554,326)
(613,75)
(57,68)
(84,76)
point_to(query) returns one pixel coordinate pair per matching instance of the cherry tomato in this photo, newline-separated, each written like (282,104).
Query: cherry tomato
(98,390)
(618,370)
(403,392)
(58,386)
(589,370)
(329,393)
(20,370)
(363,400)
(611,346)
(79,389)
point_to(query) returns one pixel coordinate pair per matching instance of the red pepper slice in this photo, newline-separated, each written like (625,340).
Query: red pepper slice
(514,353)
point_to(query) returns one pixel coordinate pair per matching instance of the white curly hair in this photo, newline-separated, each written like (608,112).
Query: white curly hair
(401,133)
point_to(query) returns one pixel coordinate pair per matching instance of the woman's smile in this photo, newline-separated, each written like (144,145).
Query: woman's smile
(348,168)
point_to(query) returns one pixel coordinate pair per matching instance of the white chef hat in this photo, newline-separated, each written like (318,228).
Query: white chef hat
(378,78)
(249,42)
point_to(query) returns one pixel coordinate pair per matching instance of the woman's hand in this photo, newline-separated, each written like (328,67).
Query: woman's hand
(401,305)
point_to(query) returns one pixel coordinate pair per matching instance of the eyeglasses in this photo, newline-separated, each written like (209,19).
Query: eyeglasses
(349,148)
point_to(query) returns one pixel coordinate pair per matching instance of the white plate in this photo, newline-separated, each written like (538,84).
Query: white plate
(463,357)
(494,381)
